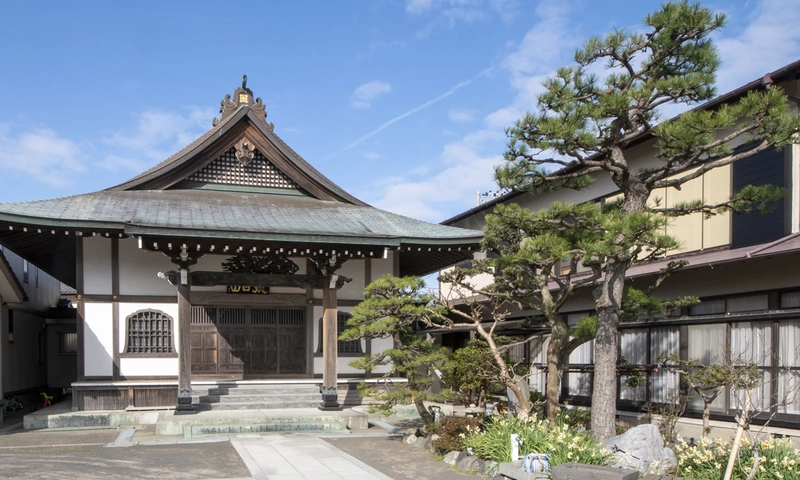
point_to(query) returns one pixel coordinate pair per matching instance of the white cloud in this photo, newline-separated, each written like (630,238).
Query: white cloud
(41,153)
(159,134)
(462,115)
(372,155)
(469,162)
(466,11)
(770,41)
(365,94)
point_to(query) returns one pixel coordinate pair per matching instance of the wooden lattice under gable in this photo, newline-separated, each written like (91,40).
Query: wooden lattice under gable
(228,170)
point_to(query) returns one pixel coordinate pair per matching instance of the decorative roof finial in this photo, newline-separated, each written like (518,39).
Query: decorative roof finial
(242,97)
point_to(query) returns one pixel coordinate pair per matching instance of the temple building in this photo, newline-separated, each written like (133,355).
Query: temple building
(232,260)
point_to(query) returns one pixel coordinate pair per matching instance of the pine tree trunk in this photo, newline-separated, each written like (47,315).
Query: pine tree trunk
(426,416)
(555,369)
(608,299)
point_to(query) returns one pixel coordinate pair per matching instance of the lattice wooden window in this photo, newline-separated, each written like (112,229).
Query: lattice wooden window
(352,347)
(149,332)
(228,170)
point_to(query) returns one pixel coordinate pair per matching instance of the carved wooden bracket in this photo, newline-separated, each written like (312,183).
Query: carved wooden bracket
(328,265)
(274,264)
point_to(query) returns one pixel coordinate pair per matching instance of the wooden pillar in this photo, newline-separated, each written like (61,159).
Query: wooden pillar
(330,347)
(185,349)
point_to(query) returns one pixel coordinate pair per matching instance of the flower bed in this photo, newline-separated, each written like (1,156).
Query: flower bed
(778,459)
(563,443)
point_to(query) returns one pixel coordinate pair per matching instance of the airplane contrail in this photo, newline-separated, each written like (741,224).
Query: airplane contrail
(427,104)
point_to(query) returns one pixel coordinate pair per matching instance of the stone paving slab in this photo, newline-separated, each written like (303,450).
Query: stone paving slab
(299,456)
(165,462)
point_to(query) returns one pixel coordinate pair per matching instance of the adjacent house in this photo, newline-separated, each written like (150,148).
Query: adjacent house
(743,267)
(233,260)
(26,294)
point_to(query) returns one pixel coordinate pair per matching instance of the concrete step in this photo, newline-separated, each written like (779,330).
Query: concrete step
(278,390)
(256,396)
(215,422)
(258,391)
(263,398)
(202,407)
(268,427)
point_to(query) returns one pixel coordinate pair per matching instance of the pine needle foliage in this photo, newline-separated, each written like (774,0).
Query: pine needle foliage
(587,118)
(393,308)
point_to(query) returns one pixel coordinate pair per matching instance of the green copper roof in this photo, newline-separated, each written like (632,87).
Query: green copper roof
(240,215)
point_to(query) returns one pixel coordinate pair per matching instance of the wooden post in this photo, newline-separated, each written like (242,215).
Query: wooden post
(185,349)
(330,346)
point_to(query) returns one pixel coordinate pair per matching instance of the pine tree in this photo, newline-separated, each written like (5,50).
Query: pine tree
(393,308)
(585,124)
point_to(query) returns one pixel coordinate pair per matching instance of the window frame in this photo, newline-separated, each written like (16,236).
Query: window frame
(173,353)
(341,321)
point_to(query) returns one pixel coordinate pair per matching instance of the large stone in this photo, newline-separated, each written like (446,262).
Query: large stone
(488,468)
(452,458)
(514,470)
(469,464)
(420,442)
(579,471)
(409,440)
(432,439)
(642,448)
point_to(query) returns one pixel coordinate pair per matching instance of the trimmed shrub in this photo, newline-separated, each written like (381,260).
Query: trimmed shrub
(452,433)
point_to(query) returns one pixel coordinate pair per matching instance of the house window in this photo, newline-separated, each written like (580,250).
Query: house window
(708,307)
(149,332)
(67,343)
(10,326)
(351,347)
(25,271)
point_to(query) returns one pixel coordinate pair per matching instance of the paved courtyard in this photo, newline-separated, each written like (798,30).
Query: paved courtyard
(132,453)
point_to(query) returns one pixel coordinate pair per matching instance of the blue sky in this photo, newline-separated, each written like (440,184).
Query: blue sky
(402,103)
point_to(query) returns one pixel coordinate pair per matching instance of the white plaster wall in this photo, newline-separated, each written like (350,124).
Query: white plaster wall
(143,367)
(138,270)
(98,339)
(379,345)
(97,265)
(382,266)
(126,309)
(353,268)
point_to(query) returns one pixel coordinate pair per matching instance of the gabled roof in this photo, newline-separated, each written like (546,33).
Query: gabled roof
(237,186)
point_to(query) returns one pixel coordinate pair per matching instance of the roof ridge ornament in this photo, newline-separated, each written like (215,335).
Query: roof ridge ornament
(242,96)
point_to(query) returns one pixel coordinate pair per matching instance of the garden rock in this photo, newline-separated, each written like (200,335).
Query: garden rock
(579,471)
(433,438)
(488,468)
(469,464)
(421,442)
(514,470)
(642,448)
(452,458)
(409,440)
(412,431)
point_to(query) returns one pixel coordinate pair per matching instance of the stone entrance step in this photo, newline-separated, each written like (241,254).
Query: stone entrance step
(255,396)
(260,421)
